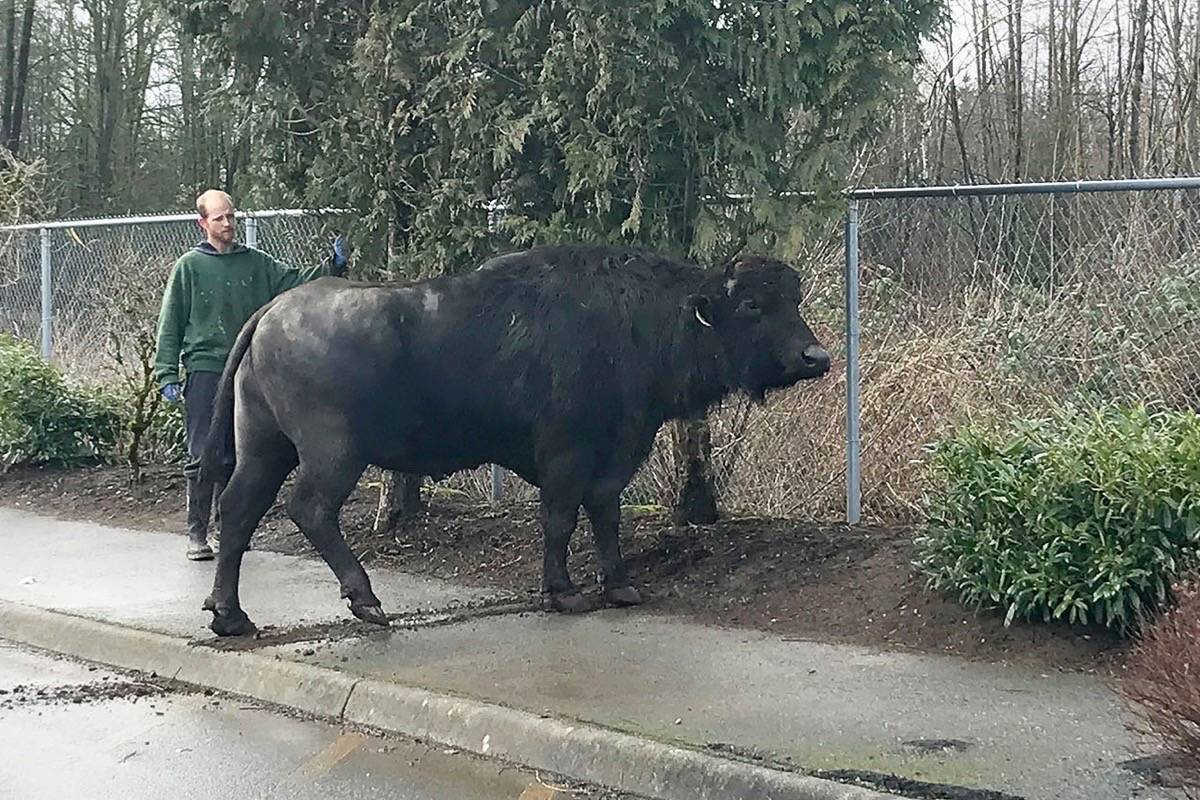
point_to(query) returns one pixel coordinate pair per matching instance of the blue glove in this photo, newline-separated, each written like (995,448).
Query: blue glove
(173,392)
(341,252)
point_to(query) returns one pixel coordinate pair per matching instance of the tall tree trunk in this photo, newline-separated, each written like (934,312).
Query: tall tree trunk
(108,50)
(1193,130)
(1016,89)
(696,503)
(399,493)
(697,499)
(399,498)
(959,135)
(190,112)
(1137,72)
(20,81)
(10,64)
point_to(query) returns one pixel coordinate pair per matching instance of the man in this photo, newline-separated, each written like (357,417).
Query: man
(213,289)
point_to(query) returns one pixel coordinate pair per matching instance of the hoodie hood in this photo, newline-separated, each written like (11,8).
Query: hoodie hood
(206,248)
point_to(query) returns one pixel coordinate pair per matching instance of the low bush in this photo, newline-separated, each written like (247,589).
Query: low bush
(46,419)
(1087,515)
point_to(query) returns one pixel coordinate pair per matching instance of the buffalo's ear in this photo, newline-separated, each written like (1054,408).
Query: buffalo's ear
(703,309)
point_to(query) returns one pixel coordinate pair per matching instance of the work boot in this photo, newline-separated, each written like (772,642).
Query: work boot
(199,505)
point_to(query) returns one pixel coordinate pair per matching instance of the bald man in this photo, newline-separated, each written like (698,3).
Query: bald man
(213,289)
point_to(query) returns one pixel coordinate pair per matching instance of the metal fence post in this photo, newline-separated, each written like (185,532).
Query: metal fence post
(47,295)
(251,231)
(853,441)
(497,483)
(493,224)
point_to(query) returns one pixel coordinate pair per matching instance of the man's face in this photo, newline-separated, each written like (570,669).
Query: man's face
(220,226)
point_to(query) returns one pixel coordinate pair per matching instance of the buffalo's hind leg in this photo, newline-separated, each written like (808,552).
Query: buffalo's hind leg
(262,466)
(604,510)
(322,485)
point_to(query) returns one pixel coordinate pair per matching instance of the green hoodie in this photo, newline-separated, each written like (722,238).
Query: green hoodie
(208,298)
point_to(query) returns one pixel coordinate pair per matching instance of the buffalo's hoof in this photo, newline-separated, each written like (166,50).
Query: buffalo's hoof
(567,602)
(372,614)
(623,596)
(229,622)
(232,624)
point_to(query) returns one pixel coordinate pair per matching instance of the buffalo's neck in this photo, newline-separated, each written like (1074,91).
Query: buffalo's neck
(697,373)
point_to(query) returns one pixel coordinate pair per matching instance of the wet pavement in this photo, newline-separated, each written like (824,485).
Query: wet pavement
(80,732)
(800,705)
(1016,729)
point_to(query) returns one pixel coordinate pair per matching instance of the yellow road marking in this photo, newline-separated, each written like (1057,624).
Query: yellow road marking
(331,756)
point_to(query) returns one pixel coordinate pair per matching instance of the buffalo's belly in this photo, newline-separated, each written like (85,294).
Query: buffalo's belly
(438,445)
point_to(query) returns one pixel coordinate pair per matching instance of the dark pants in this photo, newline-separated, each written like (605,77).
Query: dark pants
(198,395)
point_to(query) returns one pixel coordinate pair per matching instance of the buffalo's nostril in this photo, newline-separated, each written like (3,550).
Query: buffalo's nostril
(816,357)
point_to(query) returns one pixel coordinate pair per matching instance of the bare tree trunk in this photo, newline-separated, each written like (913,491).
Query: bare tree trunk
(399,498)
(190,113)
(109,23)
(10,63)
(959,135)
(697,501)
(1122,92)
(16,118)
(984,65)
(1137,72)
(1016,88)
(1152,142)
(400,493)
(1193,130)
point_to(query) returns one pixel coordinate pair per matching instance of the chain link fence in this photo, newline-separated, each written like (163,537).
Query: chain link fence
(984,307)
(69,271)
(994,307)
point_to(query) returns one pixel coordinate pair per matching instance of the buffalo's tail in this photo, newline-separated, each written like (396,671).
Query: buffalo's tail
(218,457)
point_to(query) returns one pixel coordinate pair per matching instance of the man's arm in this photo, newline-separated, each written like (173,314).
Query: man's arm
(172,321)
(284,277)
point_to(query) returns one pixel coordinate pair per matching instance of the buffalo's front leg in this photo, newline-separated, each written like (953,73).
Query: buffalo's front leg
(605,512)
(559,518)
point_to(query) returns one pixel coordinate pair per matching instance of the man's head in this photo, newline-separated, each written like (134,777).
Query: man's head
(217,218)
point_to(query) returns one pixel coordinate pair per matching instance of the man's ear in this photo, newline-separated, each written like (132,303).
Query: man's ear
(702,309)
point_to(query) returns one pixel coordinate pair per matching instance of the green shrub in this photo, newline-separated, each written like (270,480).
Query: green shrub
(1087,515)
(45,419)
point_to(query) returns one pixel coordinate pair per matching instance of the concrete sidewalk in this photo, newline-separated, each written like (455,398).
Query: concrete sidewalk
(647,703)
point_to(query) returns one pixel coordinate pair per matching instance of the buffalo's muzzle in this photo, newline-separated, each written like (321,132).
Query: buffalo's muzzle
(815,359)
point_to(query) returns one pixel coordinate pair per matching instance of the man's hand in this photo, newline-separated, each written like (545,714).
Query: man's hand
(173,392)
(341,252)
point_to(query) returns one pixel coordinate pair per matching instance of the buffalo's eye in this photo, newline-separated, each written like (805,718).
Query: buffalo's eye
(749,306)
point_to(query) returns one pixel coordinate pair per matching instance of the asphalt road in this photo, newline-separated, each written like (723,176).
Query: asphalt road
(71,730)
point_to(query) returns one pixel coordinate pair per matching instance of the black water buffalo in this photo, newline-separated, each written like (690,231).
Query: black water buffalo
(559,363)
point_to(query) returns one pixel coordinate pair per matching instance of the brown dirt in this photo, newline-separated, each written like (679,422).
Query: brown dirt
(77,693)
(797,579)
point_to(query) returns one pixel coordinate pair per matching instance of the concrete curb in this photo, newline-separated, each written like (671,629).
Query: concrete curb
(582,751)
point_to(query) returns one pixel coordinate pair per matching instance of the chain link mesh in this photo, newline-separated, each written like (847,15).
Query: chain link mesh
(21,284)
(994,308)
(972,308)
(90,263)
(985,309)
